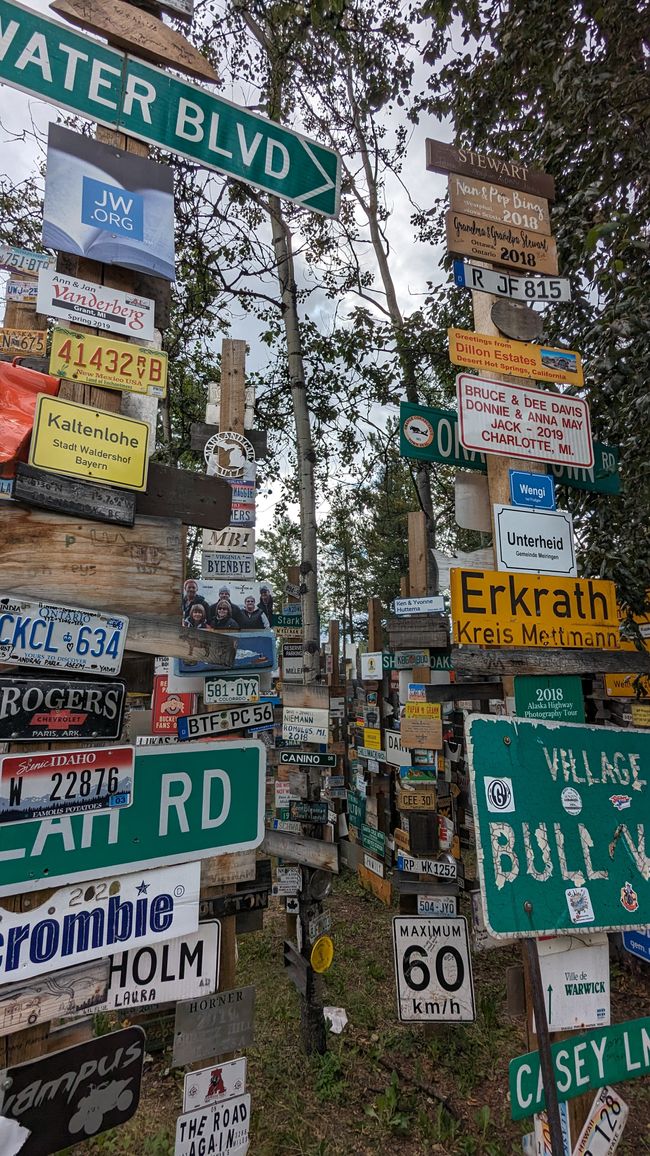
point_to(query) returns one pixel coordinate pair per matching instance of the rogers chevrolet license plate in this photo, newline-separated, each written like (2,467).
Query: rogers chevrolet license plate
(60,637)
(40,786)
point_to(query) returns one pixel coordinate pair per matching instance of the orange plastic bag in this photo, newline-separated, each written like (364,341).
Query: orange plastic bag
(19,389)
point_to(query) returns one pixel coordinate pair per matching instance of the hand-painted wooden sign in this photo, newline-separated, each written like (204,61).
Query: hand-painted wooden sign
(189,810)
(224,1128)
(137,32)
(62,637)
(521,249)
(213,1084)
(63,1098)
(69,992)
(87,443)
(81,924)
(447,158)
(543,363)
(49,784)
(97,503)
(58,710)
(220,722)
(421,733)
(493,202)
(108,362)
(83,302)
(25,341)
(213,1024)
(179,968)
(305,812)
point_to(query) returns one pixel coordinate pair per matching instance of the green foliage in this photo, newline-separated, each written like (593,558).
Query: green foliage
(387,1109)
(275,551)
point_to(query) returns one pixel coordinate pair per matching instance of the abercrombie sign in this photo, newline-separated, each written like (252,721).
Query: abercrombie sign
(59,709)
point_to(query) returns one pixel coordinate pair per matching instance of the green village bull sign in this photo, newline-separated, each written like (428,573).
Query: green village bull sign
(561,812)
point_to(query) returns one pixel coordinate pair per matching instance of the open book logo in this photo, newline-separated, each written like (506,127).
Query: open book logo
(111,208)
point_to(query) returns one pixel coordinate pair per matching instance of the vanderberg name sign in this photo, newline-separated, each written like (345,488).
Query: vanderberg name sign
(492,608)
(561,811)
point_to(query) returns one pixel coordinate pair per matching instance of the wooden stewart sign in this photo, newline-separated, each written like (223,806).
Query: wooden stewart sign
(63,1098)
(98,503)
(446,158)
(58,710)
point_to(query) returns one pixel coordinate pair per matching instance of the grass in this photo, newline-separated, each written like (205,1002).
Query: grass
(382,1086)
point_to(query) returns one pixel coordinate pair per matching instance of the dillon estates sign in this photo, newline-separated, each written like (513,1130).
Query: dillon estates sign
(44,58)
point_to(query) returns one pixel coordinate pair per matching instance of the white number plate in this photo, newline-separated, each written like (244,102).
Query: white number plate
(440,868)
(604,1125)
(243,689)
(61,637)
(44,785)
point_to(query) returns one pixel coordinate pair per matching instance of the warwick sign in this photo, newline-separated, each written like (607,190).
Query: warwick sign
(44,58)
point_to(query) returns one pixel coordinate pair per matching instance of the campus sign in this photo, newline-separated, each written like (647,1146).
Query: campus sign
(493,608)
(45,58)
(209,803)
(560,819)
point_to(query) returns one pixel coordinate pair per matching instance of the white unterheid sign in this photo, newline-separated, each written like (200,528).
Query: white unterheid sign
(433,970)
(82,923)
(304,724)
(537,541)
(513,420)
(73,299)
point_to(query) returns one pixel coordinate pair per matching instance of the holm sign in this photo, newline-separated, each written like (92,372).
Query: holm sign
(560,816)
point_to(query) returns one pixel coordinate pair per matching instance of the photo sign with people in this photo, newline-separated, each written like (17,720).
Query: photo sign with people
(227,605)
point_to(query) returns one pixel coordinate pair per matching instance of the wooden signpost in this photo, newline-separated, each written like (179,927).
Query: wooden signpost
(519,249)
(65,495)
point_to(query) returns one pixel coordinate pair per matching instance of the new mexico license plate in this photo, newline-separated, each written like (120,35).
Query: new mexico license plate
(61,637)
(43,785)
(108,362)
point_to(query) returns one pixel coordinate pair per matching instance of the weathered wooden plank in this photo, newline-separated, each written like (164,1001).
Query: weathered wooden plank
(109,568)
(456,690)
(70,496)
(137,32)
(300,849)
(194,499)
(150,635)
(351,854)
(471,660)
(200,433)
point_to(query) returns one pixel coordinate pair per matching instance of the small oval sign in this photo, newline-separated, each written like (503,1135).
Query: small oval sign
(516,320)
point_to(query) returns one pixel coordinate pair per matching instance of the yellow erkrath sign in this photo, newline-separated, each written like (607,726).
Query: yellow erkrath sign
(108,362)
(84,442)
(493,608)
(541,362)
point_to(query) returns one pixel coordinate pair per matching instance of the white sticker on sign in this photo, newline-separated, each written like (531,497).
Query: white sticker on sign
(499,794)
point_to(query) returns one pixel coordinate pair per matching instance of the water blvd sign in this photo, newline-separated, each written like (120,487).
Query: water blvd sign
(560,823)
(604,1056)
(491,608)
(209,803)
(47,59)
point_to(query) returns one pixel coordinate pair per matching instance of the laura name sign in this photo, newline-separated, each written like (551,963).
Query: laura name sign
(560,812)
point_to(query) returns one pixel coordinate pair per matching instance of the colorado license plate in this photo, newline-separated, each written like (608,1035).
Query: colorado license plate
(41,786)
(61,637)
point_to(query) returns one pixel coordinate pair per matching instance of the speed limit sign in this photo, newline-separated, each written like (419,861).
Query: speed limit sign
(433,970)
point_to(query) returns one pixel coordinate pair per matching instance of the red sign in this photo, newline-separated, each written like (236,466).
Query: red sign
(166,706)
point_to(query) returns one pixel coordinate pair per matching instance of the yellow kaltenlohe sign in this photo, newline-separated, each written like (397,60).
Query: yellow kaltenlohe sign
(541,362)
(108,362)
(84,442)
(493,608)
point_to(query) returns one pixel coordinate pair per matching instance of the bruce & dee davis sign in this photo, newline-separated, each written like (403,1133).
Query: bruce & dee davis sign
(561,811)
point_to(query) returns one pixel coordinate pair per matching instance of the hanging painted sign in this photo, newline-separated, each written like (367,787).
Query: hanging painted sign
(23,292)
(305,724)
(554,698)
(84,442)
(560,812)
(24,261)
(220,722)
(589,1060)
(64,1098)
(108,362)
(70,991)
(433,969)
(31,341)
(179,968)
(540,542)
(490,608)
(533,491)
(447,158)
(575,981)
(223,1128)
(468,276)
(522,249)
(493,202)
(541,362)
(74,299)
(59,710)
(63,637)
(79,924)
(209,803)
(49,784)
(421,733)
(215,1083)
(501,418)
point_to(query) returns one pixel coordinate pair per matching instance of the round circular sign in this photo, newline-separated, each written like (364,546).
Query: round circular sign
(571,801)
(241,455)
(322,954)
(418,431)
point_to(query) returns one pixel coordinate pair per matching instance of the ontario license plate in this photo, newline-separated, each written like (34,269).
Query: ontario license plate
(60,637)
(41,786)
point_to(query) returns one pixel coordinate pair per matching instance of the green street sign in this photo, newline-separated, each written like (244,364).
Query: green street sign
(45,58)
(356,808)
(373,840)
(581,1063)
(432,435)
(560,815)
(206,801)
(553,698)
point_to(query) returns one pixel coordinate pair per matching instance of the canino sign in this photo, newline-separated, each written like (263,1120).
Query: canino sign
(490,608)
